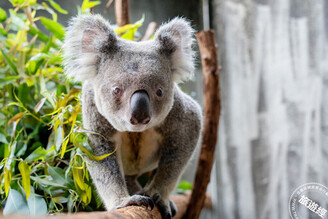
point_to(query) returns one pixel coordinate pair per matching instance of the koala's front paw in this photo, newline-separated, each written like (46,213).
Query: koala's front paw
(138,200)
(167,210)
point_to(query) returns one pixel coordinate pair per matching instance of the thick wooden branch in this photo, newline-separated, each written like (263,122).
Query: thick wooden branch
(212,108)
(132,212)
(122,12)
(137,212)
(151,29)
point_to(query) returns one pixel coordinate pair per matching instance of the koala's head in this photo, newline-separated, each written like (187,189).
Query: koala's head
(133,82)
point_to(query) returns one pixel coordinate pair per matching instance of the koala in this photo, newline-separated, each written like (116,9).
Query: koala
(131,99)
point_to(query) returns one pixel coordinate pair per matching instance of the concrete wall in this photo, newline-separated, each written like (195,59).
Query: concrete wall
(274,124)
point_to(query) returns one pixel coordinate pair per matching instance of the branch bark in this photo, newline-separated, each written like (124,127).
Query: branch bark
(122,12)
(138,212)
(212,109)
(132,212)
(151,29)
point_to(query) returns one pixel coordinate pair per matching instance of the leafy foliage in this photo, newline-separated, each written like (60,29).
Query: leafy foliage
(42,141)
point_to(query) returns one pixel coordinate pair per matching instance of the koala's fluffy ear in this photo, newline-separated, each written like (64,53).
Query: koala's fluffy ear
(86,38)
(176,39)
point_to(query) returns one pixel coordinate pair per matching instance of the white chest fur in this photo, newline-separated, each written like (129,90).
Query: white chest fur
(138,151)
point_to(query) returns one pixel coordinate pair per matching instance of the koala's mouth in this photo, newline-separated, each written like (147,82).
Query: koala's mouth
(138,128)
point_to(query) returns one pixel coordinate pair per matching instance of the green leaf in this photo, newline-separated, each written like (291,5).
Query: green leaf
(17,23)
(34,31)
(23,2)
(185,185)
(51,96)
(57,174)
(63,148)
(59,137)
(25,170)
(3,15)
(39,57)
(127,31)
(46,182)
(78,177)
(10,63)
(39,105)
(76,140)
(37,205)
(54,27)
(3,138)
(16,117)
(38,153)
(31,68)
(60,199)
(8,80)
(87,4)
(57,7)
(16,203)
(16,2)
(3,34)
(7,177)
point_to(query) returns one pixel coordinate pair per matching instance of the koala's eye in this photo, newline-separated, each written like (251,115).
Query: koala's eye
(159,92)
(116,91)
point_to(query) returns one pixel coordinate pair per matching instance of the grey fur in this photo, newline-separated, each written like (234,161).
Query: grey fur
(94,55)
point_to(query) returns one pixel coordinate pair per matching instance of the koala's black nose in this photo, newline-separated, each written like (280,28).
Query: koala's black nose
(140,108)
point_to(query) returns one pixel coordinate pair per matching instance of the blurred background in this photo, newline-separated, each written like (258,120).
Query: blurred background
(273,133)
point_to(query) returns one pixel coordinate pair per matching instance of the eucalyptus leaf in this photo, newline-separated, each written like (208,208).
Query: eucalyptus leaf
(34,31)
(89,4)
(3,138)
(39,110)
(17,23)
(54,27)
(37,154)
(185,185)
(9,61)
(16,203)
(37,205)
(25,170)
(46,182)
(3,15)
(57,7)
(57,174)
(59,137)
(8,80)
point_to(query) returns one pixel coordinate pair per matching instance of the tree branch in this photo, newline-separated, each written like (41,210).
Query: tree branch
(212,109)
(122,12)
(132,212)
(151,29)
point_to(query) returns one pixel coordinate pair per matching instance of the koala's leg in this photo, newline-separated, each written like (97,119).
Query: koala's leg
(171,165)
(111,185)
(109,181)
(132,184)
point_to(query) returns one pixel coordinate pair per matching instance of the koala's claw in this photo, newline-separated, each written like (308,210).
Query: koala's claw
(173,208)
(139,200)
(167,212)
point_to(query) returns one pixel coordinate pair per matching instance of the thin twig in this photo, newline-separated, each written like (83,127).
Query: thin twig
(108,4)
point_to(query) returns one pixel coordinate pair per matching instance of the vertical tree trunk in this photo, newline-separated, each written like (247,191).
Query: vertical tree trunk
(212,108)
